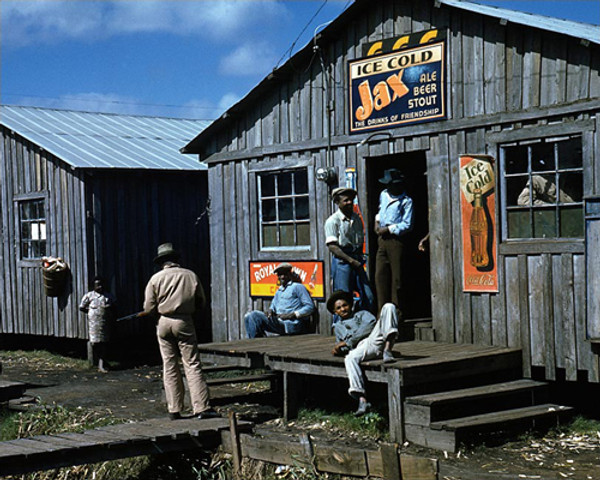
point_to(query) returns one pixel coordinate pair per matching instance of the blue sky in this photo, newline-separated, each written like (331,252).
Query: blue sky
(177,58)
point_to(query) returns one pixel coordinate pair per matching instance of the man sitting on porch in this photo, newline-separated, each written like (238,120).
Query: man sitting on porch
(290,309)
(362,338)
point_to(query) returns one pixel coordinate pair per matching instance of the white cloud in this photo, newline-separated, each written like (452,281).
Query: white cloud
(249,59)
(27,22)
(228,100)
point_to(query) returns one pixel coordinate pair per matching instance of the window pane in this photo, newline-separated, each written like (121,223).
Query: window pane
(25,252)
(269,236)
(519,225)
(516,159)
(303,233)
(301,182)
(26,212)
(267,185)
(284,184)
(302,208)
(544,223)
(40,214)
(286,209)
(287,235)
(517,191)
(542,157)
(571,222)
(25,231)
(570,154)
(571,187)
(268,211)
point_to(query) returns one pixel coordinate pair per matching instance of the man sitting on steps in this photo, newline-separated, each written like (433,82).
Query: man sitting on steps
(361,337)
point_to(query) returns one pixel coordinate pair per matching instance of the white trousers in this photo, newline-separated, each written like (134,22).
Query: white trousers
(371,347)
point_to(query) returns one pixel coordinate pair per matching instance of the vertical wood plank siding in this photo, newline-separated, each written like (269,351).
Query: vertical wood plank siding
(493,69)
(107,223)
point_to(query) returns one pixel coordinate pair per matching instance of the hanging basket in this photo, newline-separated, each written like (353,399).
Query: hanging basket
(54,272)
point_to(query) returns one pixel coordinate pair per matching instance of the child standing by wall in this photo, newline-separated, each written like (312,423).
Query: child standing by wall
(97,304)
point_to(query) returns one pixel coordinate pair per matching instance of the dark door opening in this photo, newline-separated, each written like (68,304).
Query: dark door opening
(416,271)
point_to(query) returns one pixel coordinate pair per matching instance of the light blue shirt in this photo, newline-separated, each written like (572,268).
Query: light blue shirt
(292,297)
(355,328)
(396,213)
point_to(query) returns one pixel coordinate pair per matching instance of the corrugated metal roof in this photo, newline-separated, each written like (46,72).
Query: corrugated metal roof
(583,31)
(103,140)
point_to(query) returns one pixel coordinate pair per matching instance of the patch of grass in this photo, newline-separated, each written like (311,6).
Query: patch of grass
(581,425)
(371,425)
(50,419)
(42,359)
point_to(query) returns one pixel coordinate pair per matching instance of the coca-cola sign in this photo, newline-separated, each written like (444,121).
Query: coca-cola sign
(478,212)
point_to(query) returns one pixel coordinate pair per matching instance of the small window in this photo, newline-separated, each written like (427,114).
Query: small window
(32,221)
(283,209)
(543,189)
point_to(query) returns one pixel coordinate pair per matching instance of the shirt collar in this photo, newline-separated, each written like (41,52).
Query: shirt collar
(283,287)
(344,217)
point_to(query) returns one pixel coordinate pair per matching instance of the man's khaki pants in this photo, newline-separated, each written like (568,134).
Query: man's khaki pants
(177,336)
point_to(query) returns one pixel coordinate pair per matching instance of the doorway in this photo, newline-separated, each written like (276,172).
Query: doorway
(416,271)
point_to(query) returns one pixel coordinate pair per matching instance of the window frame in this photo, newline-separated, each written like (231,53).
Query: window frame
(18,201)
(277,222)
(555,171)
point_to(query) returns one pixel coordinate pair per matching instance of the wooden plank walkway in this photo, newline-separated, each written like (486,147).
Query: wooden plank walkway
(417,363)
(44,452)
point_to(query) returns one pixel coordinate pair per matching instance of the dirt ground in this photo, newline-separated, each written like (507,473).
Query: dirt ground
(136,394)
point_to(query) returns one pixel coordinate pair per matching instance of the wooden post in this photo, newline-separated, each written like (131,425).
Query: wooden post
(235,445)
(290,395)
(390,461)
(395,401)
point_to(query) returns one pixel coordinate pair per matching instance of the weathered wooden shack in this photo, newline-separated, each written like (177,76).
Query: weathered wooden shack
(517,94)
(101,191)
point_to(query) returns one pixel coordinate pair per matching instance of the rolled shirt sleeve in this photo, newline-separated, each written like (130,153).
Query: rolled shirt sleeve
(332,230)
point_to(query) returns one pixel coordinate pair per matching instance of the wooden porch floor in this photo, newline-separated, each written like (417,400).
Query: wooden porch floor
(416,361)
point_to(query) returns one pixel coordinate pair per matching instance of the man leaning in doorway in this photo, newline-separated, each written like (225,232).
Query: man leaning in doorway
(176,293)
(344,235)
(394,220)
(290,309)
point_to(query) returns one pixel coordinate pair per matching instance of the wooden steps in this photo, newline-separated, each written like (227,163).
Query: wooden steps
(264,377)
(443,420)
(11,390)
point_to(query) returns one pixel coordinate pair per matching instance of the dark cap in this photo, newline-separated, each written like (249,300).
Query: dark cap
(283,267)
(392,176)
(350,192)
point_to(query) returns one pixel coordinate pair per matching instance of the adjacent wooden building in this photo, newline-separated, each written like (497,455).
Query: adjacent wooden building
(101,191)
(518,91)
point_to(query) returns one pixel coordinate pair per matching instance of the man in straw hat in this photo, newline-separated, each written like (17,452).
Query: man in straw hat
(175,294)
(360,337)
(394,219)
(290,308)
(344,235)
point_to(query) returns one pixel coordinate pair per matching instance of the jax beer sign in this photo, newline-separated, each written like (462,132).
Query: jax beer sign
(263,279)
(478,212)
(397,88)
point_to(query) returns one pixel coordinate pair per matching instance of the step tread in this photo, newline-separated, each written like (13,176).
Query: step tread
(504,416)
(241,379)
(471,393)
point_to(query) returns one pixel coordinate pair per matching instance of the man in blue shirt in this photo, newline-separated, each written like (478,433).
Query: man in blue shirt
(290,309)
(393,221)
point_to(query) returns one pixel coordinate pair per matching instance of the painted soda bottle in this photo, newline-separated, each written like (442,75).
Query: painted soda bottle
(478,229)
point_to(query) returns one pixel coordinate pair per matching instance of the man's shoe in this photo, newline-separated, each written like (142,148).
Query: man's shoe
(174,415)
(210,413)
(388,356)
(363,407)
